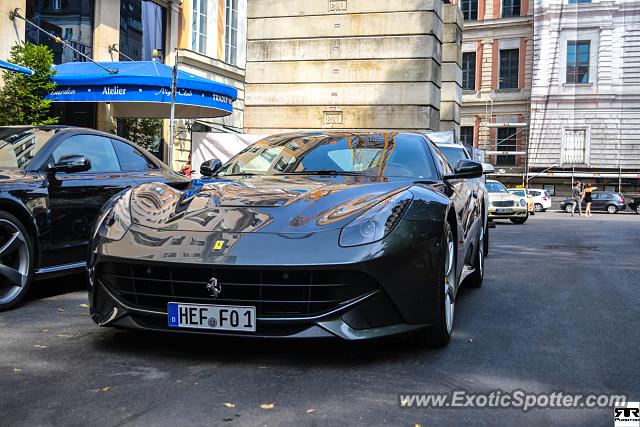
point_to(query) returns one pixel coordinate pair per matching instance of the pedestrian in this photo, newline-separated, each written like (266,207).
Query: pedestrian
(576,198)
(186,169)
(588,188)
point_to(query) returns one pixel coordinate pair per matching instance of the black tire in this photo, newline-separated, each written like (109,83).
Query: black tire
(16,257)
(474,280)
(439,334)
(519,220)
(538,207)
(638,209)
(612,209)
(568,208)
(486,240)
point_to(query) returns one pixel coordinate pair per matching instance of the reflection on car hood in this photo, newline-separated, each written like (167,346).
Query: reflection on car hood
(503,196)
(282,204)
(13,176)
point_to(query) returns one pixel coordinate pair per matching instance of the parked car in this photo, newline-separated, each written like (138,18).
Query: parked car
(634,204)
(541,199)
(504,205)
(304,235)
(601,201)
(53,182)
(521,192)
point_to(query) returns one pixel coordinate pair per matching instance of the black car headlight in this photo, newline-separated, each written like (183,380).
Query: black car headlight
(377,222)
(116,220)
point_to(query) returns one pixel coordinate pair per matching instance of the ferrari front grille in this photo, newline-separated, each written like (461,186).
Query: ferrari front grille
(274,292)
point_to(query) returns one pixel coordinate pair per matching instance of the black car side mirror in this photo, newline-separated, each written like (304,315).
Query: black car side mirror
(466,169)
(210,167)
(71,163)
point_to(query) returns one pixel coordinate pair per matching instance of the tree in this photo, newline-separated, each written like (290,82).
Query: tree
(22,97)
(146,133)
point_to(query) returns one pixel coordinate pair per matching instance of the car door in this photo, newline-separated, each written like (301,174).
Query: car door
(76,198)
(139,167)
(598,201)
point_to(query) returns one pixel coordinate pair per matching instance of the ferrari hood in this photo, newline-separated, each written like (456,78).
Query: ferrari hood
(286,204)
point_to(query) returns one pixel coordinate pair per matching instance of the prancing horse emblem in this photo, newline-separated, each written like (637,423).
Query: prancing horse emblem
(214,288)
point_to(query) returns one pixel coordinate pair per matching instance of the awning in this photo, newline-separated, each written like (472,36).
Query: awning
(142,89)
(16,68)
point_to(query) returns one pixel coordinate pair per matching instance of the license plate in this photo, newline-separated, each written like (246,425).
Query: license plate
(504,210)
(212,317)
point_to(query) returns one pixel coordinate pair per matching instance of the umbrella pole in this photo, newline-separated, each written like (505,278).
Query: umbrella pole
(172,119)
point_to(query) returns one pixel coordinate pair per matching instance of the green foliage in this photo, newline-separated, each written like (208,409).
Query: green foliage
(22,97)
(144,132)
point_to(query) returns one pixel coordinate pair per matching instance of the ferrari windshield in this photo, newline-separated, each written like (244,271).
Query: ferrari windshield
(384,154)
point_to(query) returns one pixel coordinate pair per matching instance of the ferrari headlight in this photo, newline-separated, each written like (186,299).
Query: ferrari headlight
(117,220)
(377,222)
(523,202)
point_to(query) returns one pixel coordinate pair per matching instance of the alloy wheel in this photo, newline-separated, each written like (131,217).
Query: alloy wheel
(537,207)
(481,251)
(449,282)
(14,261)
(612,209)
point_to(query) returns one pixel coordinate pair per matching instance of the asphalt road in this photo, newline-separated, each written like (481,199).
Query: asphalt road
(558,312)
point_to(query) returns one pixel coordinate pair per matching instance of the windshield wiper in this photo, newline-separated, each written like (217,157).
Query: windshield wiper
(322,172)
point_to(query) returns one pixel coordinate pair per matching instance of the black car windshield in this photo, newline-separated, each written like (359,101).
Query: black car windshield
(384,154)
(453,154)
(495,187)
(19,145)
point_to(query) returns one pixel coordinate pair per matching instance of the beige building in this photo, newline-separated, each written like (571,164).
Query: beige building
(356,64)
(497,54)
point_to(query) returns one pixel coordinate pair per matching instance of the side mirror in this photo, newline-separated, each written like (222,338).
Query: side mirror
(487,168)
(71,163)
(466,169)
(210,167)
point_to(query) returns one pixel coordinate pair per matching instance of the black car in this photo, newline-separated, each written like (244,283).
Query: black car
(350,235)
(53,182)
(634,204)
(605,201)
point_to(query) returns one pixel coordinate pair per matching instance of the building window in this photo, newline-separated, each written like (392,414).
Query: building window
(579,1)
(231,32)
(578,62)
(469,9)
(469,71)
(510,8)
(72,21)
(506,142)
(573,146)
(466,135)
(509,63)
(550,188)
(141,29)
(199,26)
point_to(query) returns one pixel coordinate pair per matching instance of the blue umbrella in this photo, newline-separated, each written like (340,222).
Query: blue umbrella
(16,68)
(141,89)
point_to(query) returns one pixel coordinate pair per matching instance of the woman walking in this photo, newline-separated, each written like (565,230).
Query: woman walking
(588,188)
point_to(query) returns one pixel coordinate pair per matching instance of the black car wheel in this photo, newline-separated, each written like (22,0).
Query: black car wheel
(520,220)
(16,261)
(638,209)
(475,279)
(612,209)
(485,240)
(538,207)
(568,208)
(439,334)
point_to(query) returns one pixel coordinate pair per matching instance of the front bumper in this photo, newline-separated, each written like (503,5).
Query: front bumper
(393,292)
(507,212)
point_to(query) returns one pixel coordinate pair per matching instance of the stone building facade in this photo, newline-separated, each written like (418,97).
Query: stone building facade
(497,52)
(356,64)
(586,94)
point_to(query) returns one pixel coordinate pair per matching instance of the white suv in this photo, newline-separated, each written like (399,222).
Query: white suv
(541,199)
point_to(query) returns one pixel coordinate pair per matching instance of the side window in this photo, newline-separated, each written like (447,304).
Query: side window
(97,149)
(131,159)
(444,164)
